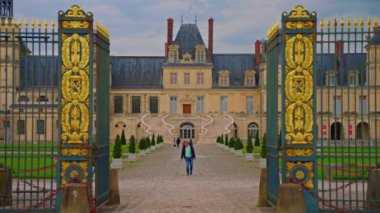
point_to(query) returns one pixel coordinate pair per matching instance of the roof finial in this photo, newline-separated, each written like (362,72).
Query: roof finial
(195,19)
(181,19)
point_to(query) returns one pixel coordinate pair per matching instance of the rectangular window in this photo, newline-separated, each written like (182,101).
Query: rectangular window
(223,104)
(20,127)
(363,104)
(173,104)
(186,78)
(200,104)
(118,104)
(352,80)
(338,105)
(173,78)
(249,105)
(200,56)
(249,80)
(332,80)
(136,101)
(153,104)
(40,127)
(200,78)
(173,56)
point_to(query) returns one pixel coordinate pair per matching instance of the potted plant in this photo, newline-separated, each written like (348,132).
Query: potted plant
(257,140)
(218,141)
(221,141)
(249,149)
(117,161)
(159,138)
(238,147)
(263,153)
(232,145)
(142,147)
(153,143)
(148,145)
(226,142)
(132,149)
(122,139)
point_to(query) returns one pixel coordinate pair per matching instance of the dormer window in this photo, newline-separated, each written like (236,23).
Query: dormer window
(23,98)
(353,78)
(186,58)
(200,53)
(173,54)
(331,78)
(250,78)
(42,98)
(224,78)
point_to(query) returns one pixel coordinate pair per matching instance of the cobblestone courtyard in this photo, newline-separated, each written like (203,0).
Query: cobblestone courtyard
(220,182)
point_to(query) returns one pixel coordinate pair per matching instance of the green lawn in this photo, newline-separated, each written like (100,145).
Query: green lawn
(27,147)
(29,165)
(350,150)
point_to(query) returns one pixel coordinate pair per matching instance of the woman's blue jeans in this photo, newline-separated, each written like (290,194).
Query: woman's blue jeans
(189,165)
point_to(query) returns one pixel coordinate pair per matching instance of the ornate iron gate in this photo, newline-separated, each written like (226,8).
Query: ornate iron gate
(330,120)
(47,114)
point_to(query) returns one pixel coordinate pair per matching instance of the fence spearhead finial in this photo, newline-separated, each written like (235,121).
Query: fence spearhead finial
(328,23)
(13,23)
(341,23)
(362,22)
(348,23)
(53,24)
(6,23)
(355,23)
(322,24)
(376,23)
(19,23)
(33,23)
(369,23)
(26,23)
(46,24)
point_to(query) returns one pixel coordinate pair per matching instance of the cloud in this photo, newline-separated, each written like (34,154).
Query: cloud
(138,27)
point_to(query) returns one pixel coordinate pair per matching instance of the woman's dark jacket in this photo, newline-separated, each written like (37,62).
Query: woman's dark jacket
(192,151)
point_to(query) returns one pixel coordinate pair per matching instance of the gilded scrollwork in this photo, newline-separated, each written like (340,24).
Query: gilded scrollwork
(299,24)
(301,172)
(299,89)
(76,24)
(75,88)
(74,171)
(299,12)
(299,152)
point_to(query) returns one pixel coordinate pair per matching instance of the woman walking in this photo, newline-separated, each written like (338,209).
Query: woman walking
(189,154)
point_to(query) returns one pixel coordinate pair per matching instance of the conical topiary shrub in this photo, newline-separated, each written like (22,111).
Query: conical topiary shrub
(257,140)
(249,145)
(153,140)
(117,148)
(132,145)
(122,139)
(226,141)
(238,144)
(232,143)
(148,142)
(142,144)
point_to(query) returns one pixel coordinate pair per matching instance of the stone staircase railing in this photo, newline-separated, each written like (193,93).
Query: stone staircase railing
(227,128)
(170,126)
(148,128)
(204,130)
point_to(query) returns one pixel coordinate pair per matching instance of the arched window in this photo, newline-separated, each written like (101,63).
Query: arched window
(187,130)
(42,98)
(362,131)
(336,132)
(23,98)
(253,129)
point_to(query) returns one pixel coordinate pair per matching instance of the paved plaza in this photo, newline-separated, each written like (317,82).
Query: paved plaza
(220,182)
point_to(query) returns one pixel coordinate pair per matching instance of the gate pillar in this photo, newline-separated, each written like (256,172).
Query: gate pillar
(299,163)
(75,97)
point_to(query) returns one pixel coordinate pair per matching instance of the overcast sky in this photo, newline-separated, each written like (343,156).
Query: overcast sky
(138,27)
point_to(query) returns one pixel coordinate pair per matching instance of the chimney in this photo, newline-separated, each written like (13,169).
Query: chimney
(170,36)
(257,52)
(211,39)
(339,45)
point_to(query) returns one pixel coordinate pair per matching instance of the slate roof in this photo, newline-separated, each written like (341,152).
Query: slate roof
(237,64)
(187,38)
(38,71)
(329,62)
(136,72)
